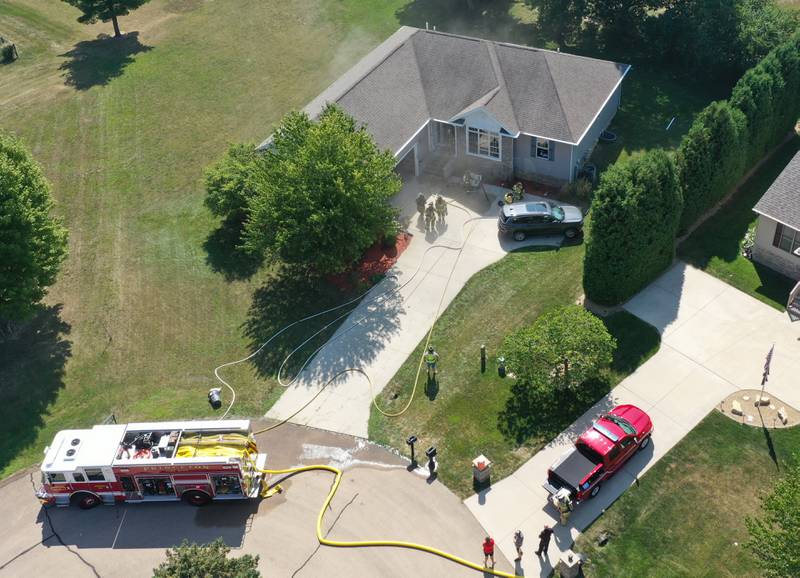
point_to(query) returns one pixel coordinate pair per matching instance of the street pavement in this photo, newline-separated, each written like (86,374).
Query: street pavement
(386,327)
(378,499)
(714,341)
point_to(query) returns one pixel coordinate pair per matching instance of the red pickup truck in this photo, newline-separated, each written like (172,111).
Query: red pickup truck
(599,452)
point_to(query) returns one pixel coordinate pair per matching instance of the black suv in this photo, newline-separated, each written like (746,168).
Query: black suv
(540,218)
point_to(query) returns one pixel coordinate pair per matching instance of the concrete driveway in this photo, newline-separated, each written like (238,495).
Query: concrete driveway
(380,334)
(714,341)
(378,498)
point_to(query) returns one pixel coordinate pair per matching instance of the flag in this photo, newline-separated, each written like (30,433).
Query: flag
(766,365)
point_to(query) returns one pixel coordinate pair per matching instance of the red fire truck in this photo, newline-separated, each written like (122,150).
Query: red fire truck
(194,461)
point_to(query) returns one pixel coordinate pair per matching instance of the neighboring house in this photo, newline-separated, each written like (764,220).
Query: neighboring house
(445,104)
(777,242)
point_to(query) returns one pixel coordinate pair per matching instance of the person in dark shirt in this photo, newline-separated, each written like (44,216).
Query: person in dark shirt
(544,540)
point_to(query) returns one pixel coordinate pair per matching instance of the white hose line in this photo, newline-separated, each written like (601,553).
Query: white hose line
(340,306)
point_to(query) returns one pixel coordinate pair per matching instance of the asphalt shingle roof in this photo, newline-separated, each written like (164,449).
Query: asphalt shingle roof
(416,75)
(781,202)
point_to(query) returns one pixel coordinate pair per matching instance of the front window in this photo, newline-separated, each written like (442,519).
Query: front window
(56,478)
(787,239)
(542,149)
(483,143)
(558,213)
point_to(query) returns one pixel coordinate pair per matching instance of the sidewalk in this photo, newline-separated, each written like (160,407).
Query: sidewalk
(380,334)
(714,341)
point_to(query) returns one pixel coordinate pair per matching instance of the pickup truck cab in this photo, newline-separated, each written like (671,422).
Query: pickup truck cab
(600,452)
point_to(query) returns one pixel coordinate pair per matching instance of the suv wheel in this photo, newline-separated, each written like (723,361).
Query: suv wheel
(571,233)
(595,491)
(519,235)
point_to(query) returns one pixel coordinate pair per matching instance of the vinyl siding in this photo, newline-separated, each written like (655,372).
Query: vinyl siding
(766,253)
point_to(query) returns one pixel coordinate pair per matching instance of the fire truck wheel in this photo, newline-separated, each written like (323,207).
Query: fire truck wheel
(86,501)
(196,498)
(595,491)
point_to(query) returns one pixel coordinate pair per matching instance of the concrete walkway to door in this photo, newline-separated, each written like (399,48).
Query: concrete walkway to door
(714,341)
(386,327)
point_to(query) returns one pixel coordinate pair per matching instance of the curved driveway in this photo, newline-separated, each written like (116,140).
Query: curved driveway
(382,332)
(714,341)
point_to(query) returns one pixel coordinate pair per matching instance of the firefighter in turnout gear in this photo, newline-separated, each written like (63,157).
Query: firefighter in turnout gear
(430,217)
(441,207)
(431,357)
(421,204)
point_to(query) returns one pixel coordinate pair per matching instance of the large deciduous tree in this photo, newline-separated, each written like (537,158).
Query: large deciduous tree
(33,243)
(193,560)
(565,347)
(775,535)
(322,199)
(105,10)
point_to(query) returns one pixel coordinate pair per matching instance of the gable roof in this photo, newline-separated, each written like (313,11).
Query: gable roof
(416,75)
(781,202)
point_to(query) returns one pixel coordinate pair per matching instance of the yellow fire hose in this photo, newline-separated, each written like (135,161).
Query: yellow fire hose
(338,473)
(373,543)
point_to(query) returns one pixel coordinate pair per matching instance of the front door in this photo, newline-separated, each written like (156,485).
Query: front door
(445,136)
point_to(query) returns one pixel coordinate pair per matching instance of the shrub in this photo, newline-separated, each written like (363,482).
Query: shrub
(580,188)
(769,97)
(635,215)
(710,158)
(194,560)
(558,362)
(564,348)
(7,52)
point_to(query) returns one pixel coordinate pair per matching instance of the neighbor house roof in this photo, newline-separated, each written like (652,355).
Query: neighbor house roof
(417,75)
(781,202)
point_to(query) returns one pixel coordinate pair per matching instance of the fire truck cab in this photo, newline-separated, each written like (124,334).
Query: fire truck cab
(194,461)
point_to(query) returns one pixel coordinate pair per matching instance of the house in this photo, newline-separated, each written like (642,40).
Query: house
(444,104)
(777,242)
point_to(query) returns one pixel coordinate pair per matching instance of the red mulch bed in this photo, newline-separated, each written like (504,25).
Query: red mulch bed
(377,260)
(532,188)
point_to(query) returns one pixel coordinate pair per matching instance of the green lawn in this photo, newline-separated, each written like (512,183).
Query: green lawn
(149,301)
(147,304)
(687,512)
(716,246)
(460,416)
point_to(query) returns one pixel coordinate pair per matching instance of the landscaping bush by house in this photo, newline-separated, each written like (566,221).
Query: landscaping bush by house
(710,159)
(727,138)
(635,214)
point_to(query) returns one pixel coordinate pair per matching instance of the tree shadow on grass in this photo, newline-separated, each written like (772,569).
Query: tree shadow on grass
(546,412)
(96,62)
(224,254)
(286,297)
(290,296)
(31,373)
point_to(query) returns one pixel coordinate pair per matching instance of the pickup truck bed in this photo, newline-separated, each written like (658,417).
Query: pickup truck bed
(573,469)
